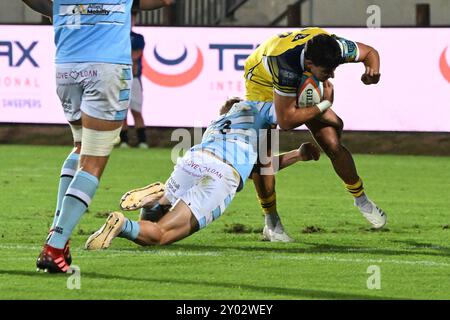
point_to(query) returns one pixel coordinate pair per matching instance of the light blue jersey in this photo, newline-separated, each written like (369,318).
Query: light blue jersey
(92,31)
(235,136)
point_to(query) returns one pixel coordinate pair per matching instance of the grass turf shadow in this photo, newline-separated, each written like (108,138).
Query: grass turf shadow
(291,292)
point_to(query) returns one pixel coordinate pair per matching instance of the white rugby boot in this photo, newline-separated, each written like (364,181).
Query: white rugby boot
(102,238)
(272,236)
(142,197)
(373,214)
(142,145)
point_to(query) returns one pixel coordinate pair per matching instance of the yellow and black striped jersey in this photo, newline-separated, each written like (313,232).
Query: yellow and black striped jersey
(277,64)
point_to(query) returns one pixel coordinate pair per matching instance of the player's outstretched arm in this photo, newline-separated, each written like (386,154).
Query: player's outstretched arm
(371,59)
(290,117)
(306,152)
(44,7)
(155,4)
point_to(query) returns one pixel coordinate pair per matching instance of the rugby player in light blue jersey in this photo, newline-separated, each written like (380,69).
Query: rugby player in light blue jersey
(93,78)
(203,183)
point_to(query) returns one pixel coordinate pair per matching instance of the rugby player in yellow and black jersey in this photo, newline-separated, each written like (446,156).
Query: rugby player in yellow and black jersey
(273,73)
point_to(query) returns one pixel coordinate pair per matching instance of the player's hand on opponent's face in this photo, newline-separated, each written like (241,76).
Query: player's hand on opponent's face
(328,91)
(370,76)
(309,151)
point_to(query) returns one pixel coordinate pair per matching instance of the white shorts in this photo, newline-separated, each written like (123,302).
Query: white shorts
(206,184)
(136,99)
(100,90)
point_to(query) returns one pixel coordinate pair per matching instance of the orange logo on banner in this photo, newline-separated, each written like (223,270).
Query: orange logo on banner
(174,80)
(443,64)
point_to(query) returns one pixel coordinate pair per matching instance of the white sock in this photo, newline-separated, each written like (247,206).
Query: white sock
(273,222)
(361,200)
(363,203)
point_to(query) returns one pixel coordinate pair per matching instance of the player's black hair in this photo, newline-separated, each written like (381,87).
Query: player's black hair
(324,51)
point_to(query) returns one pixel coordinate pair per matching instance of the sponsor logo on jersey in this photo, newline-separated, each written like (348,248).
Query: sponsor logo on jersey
(300,36)
(97,9)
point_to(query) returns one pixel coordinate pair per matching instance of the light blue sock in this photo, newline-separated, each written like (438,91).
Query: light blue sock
(68,171)
(130,230)
(77,199)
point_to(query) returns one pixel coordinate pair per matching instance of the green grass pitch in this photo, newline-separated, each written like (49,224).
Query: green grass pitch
(227,260)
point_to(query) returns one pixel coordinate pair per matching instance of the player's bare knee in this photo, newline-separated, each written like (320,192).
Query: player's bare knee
(333,149)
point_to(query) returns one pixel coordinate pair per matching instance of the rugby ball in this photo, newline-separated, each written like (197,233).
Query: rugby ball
(310,90)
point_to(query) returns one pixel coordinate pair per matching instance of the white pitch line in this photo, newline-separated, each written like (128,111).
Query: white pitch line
(164,253)
(426,263)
